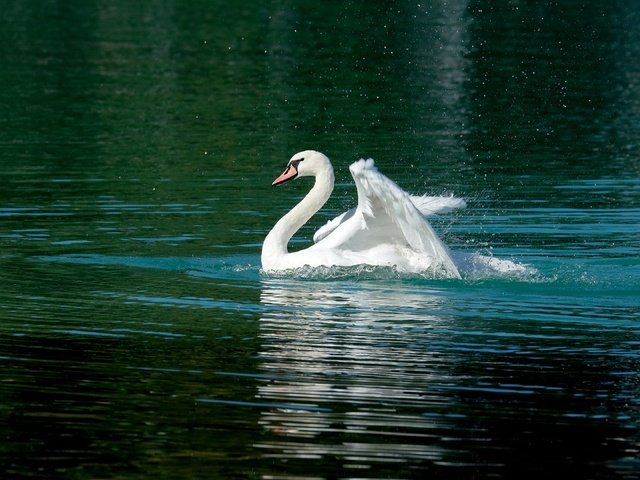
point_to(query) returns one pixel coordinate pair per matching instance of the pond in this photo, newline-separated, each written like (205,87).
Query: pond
(139,337)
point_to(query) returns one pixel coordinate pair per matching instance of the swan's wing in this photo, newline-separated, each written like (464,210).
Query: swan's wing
(427,205)
(331,225)
(386,214)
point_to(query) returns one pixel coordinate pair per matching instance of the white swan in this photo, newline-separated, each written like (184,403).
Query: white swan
(387,228)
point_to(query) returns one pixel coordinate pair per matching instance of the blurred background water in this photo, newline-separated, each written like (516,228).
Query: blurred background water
(138,337)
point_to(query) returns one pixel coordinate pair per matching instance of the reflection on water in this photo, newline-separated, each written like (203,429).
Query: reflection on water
(400,380)
(347,348)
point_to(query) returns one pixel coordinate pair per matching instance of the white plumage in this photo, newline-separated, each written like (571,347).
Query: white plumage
(386,228)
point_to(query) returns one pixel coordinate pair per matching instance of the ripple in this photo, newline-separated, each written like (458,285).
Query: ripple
(269,405)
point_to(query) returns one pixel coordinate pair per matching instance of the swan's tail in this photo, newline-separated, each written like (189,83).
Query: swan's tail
(429,205)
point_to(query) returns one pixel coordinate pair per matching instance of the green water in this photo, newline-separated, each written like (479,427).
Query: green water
(138,337)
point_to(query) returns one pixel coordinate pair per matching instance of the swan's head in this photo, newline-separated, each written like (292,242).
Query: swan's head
(308,163)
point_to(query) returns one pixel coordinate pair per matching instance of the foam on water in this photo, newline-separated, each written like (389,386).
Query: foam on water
(473,266)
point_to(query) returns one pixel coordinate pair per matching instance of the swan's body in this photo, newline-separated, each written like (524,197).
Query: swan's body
(387,227)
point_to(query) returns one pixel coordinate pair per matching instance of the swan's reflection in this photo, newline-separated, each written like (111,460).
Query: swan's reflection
(357,359)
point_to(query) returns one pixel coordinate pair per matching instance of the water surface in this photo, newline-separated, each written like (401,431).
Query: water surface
(138,336)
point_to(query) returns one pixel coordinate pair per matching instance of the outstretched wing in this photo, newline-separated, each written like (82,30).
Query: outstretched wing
(386,214)
(427,205)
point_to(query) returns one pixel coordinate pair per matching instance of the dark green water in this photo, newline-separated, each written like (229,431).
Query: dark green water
(138,337)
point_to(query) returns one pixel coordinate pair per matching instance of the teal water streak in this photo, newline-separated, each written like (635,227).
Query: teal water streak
(138,336)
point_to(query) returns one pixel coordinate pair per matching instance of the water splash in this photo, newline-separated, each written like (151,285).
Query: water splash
(472,266)
(475,266)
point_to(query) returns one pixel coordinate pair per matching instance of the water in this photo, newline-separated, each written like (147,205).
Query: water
(138,337)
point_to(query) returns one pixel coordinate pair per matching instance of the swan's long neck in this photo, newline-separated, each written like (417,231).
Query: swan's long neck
(275,244)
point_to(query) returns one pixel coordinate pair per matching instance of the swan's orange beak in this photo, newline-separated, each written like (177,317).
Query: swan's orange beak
(289,174)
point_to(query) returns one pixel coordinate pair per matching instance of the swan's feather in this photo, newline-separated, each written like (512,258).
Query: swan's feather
(426,204)
(387,215)
(430,205)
